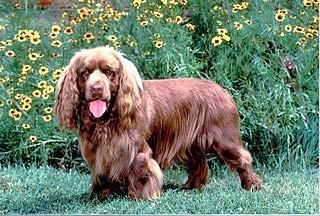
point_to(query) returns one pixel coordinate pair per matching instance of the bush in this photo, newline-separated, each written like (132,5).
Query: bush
(264,53)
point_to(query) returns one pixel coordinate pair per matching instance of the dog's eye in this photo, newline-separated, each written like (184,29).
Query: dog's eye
(108,72)
(85,74)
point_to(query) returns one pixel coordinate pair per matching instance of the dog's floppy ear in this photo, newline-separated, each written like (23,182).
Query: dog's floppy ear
(133,72)
(67,96)
(130,88)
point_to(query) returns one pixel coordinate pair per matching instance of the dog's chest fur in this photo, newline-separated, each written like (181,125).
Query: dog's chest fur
(107,153)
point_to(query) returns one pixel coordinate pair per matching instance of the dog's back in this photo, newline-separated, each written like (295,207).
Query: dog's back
(186,113)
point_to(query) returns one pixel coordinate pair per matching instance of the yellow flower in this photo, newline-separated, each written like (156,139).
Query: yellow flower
(169,20)
(48,110)
(12,112)
(238,25)
(307,3)
(222,31)
(16,115)
(49,89)
(184,2)
(33,56)
(42,84)
(68,30)
(47,118)
(10,53)
(280,17)
(158,43)
(158,14)
(216,41)
(43,70)
(226,37)
(33,138)
(157,35)
(136,3)
(55,55)
(235,8)
(11,90)
(17,6)
(133,43)
(191,27)
(45,96)
(309,35)
(36,93)
(57,73)
(35,40)
(32,33)
(9,102)
(282,11)
(25,126)
(315,32)
(53,35)
(82,10)
(144,23)
(88,36)
(298,29)
(113,38)
(56,43)
(55,29)
(93,21)
(179,19)
(288,28)
(26,67)
(76,20)
(26,106)
(26,99)
(248,22)
(83,16)
(303,40)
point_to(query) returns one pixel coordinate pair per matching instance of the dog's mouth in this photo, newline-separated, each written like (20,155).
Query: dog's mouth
(98,107)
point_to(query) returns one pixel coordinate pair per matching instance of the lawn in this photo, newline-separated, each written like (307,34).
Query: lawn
(46,190)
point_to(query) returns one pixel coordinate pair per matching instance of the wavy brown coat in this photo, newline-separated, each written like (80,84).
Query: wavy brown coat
(148,125)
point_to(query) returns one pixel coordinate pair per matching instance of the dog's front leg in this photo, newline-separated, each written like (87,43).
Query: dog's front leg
(100,188)
(145,178)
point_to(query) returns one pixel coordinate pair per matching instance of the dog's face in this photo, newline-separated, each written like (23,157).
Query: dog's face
(102,79)
(98,79)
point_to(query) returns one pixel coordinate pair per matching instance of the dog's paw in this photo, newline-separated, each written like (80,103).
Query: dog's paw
(252,182)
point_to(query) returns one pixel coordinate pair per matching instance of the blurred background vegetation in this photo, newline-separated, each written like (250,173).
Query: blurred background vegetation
(265,53)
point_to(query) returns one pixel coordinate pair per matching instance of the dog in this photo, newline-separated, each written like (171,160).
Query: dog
(131,130)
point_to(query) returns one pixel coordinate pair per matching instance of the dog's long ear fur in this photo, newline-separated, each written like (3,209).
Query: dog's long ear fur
(130,89)
(67,96)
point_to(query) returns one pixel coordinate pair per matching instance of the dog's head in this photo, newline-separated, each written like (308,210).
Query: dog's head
(98,78)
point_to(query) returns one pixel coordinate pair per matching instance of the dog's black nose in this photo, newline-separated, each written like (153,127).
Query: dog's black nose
(96,89)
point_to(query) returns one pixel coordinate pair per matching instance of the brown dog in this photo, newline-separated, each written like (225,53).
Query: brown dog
(130,130)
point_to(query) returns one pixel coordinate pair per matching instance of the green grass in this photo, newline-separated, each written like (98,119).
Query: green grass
(46,190)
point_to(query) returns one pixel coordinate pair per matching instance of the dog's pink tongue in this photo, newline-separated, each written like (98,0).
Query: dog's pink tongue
(97,108)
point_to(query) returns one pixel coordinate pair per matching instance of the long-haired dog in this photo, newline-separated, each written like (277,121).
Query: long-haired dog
(131,129)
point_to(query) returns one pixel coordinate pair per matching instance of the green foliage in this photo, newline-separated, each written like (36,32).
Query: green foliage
(265,53)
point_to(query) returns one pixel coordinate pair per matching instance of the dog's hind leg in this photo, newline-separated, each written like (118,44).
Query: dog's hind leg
(231,151)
